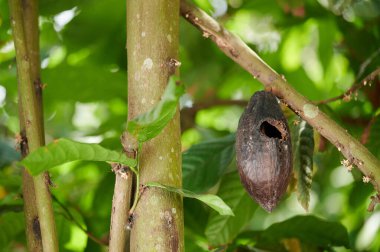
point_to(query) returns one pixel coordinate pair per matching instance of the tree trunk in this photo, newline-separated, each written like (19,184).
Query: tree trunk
(152,44)
(30,11)
(40,225)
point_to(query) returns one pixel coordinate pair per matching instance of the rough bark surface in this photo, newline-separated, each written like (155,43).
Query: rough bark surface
(119,233)
(152,44)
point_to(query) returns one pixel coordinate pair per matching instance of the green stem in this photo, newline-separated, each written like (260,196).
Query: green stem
(137,189)
(30,18)
(31,116)
(152,44)
(239,52)
(120,208)
(32,229)
(137,195)
(119,234)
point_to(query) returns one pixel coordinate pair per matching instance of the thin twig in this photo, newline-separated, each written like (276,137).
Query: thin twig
(366,63)
(137,189)
(119,234)
(347,95)
(367,130)
(71,218)
(238,51)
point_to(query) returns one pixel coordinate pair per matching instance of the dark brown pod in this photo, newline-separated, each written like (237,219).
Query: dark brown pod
(264,150)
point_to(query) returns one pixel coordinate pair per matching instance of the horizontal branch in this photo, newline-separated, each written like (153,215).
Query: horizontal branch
(239,52)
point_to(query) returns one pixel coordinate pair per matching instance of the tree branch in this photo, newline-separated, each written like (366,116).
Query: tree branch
(152,44)
(238,51)
(40,224)
(347,95)
(30,22)
(119,234)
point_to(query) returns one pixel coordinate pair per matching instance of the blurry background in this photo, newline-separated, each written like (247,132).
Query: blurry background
(321,47)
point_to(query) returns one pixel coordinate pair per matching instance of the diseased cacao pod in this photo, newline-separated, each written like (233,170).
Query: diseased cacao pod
(264,150)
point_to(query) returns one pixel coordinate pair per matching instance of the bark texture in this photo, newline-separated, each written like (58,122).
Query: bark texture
(40,225)
(33,231)
(152,44)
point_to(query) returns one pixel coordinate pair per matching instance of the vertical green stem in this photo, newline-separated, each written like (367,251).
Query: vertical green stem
(152,44)
(32,226)
(30,17)
(43,226)
(33,233)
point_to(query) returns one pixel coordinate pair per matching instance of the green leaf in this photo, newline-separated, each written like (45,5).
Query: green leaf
(148,125)
(195,215)
(63,229)
(221,230)
(308,230)
(64,150)
(11,225)
(194,242)
(205,5)
(303,162)
(212,201)
(203,164)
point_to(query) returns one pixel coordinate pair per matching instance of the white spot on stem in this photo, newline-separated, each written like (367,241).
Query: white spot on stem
(148,64)
(310,110)
(137,76)
(169,37)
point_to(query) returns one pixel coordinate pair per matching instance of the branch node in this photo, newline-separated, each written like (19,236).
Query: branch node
(374,201)
(121,170)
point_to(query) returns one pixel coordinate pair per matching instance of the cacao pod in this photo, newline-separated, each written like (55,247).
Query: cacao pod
(264,150)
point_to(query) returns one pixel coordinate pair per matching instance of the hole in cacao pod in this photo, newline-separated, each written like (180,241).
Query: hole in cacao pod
(270,131)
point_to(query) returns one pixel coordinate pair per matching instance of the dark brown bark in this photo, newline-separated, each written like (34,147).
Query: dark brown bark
(264,150)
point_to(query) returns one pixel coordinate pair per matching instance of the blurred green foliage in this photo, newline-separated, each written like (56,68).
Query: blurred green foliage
(322,48)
